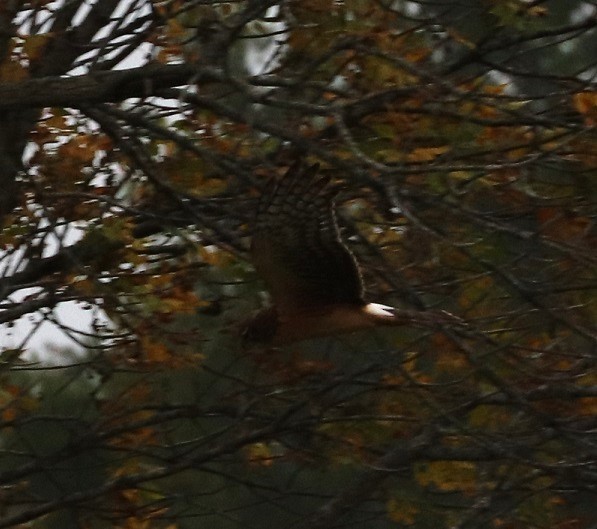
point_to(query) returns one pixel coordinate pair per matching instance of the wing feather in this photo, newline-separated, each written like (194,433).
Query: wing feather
(297,248)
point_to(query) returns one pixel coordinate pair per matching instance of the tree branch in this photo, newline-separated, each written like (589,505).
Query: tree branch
(97,87)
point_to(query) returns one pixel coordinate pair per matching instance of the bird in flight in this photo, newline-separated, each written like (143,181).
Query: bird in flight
(313,278)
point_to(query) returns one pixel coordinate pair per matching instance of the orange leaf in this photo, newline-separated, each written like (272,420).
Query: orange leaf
(586,104)
(155,351)
(426,154)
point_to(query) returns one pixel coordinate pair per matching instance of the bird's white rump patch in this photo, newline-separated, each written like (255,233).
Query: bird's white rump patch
(380,311)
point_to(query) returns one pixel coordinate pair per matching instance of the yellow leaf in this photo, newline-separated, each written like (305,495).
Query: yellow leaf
(402,511)
(486,111)
(259,454)
(155,351)
(588,406)
(426,154)
(448,476)
(495,89)
(176,30)
(489,418)
(537,11)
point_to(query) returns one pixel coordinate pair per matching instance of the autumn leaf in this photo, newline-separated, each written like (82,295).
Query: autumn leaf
(402,511)
(426,154)
(448,476)
(259,454)
(586,104)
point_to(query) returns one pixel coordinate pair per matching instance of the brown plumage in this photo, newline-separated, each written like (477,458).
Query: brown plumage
(313,278)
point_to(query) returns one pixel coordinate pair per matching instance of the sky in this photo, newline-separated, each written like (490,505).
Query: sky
(35,332)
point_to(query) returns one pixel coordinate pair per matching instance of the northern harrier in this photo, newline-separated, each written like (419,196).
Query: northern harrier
(313,278)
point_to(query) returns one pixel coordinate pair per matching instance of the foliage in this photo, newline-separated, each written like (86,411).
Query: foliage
(135,137)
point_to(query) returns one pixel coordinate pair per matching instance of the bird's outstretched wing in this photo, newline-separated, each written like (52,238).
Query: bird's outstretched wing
(296,245)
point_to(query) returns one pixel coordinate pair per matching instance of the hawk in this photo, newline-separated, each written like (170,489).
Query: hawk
(313,278)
